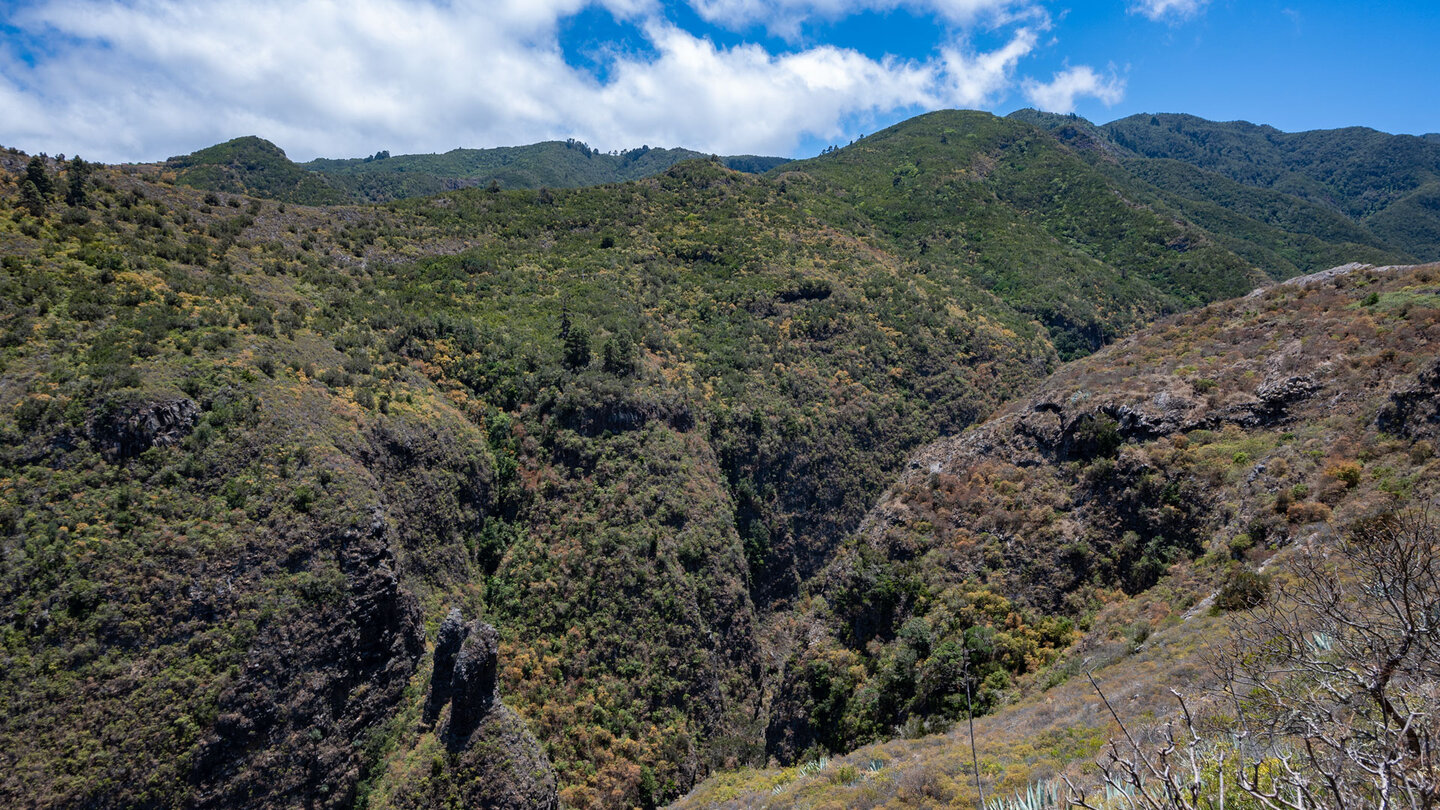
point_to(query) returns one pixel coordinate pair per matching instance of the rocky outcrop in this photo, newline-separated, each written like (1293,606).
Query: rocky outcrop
(127,431)
(473,687)
(495,763)
(1051,430)
(604,406)
(1273,402)
(313,683)
(464,676)
(1316,279)
(1413,408)
(447,646)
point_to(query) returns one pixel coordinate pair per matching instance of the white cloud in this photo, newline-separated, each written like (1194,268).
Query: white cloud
(1059,94)
(1171,10)
(145,79)
(785,17)
(745,99)
(976,79)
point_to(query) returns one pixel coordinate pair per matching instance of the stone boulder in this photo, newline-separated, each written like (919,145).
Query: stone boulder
(1413,409)
(127,431)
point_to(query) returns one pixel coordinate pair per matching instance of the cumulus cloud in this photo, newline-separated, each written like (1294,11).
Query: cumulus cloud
(976,79)
(1171,10)
(1060,93)
(785,17)
(745,98)
(144,79)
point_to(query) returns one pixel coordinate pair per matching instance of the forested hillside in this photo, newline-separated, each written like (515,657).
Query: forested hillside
(1029,220)
(255,451)
(552,164)
(1142,494)
(254,166)
(1293,196)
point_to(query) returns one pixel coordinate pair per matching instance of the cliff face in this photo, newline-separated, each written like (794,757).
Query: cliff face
(1249,419)
(307,689)
(129,430)
(1413,409)
(489,760)
(1092,525)
(1157,470)
(229,603)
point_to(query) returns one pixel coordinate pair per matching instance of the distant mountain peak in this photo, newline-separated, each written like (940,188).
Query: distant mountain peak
(252,165)
(244,147)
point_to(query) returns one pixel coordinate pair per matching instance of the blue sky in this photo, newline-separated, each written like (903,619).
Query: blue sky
(136,80)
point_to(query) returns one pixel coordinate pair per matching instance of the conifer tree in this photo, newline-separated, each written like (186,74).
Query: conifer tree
(577,348)
(618,356)
(37,175)
(31,199)
(75,194)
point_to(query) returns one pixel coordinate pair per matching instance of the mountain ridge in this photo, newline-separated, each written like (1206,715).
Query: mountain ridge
(1339,169)
(255,166)
(1318,175)
(258,451)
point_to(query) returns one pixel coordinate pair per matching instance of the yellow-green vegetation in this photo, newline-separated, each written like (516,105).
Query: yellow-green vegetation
(256,167)
(552,164)
(1128,498)
(588,415)
(252,451)
(1039,737)
(1030,220)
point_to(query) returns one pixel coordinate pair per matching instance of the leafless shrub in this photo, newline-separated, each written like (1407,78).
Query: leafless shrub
(1331,692)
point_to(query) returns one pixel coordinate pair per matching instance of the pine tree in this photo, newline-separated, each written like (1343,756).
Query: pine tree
(577,348)
(31,199)
(39,176)
(618,356)
(75,195)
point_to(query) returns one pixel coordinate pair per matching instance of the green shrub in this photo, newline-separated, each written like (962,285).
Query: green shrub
(1347,472)
(1242,589)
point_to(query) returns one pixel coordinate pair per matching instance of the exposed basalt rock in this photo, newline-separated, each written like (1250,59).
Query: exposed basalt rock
(618,413)
(1061,432)
(473,686)
(313,683)
(127,431)
(447,646)
(494,763)
(1323,276)
(1163,414)
(385,616)
(1061,435)
(1413,409)
(1273,402)
(1120,499)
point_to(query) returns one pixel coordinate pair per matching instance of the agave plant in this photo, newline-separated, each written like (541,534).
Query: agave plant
(813,767)
(1037,796)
